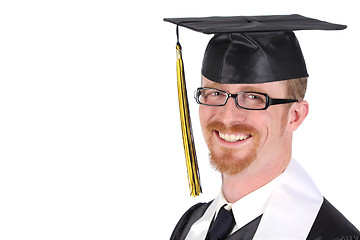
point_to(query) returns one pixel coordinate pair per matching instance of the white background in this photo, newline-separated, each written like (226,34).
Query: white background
(90,141)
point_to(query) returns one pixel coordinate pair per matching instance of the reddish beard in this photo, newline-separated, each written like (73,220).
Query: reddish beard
(231,160)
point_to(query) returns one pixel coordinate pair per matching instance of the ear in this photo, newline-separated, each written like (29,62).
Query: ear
(297,114)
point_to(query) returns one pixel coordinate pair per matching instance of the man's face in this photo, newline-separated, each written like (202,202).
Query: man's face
(238,138)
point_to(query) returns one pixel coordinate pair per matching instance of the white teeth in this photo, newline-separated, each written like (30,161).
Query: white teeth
(232,137)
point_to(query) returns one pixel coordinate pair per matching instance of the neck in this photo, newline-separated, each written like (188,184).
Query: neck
(237,186)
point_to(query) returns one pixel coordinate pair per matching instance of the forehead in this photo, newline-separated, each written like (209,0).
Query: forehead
(270,88)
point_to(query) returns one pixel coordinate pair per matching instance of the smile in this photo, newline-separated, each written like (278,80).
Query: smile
(233,137)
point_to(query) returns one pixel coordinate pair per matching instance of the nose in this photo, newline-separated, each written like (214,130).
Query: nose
(231,113)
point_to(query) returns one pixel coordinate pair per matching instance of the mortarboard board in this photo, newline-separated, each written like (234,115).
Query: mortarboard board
(244,49)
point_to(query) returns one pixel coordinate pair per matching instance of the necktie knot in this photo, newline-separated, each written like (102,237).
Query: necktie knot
(222,226)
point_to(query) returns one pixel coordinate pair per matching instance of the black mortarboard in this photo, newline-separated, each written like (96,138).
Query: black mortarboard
(253,49)
(245,49)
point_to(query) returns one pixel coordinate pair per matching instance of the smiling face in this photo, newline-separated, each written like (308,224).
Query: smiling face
(240,139)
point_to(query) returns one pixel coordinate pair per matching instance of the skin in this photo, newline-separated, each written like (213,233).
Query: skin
(266,151)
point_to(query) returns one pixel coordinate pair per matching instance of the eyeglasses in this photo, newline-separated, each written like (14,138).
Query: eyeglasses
(245,100)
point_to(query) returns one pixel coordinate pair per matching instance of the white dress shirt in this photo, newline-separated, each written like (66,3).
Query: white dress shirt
(250,206)
(291,200)
(245,210)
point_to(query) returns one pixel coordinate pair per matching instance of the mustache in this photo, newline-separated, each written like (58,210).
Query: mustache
(233,128)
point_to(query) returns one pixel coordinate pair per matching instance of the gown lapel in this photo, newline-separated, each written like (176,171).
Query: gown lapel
(188,219)
(247,232)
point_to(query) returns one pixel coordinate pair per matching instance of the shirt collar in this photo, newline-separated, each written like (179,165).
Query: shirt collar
(250,206)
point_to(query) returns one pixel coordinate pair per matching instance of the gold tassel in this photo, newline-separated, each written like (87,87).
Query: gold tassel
(188,140)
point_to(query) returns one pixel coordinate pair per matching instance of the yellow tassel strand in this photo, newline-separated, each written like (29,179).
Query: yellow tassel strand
(188,140)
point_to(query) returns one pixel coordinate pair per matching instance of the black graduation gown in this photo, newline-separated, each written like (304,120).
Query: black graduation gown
(329,224)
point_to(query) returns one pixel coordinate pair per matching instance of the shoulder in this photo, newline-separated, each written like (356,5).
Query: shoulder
(187,220)
(331,224)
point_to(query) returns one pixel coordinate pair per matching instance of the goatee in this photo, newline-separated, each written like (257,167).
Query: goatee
(231,160)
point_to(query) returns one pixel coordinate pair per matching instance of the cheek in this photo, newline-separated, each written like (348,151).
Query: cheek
(261,122)
(204,115)
(277,122)
(201,115)
(268,123)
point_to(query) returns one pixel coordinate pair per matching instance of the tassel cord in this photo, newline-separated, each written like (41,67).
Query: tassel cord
(188,141)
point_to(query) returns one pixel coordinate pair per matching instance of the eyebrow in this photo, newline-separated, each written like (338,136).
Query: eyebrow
(246,89)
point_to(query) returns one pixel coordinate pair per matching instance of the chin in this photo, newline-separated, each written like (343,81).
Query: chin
(227,163)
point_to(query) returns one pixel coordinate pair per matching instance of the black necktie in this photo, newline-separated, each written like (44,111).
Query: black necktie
(222,225)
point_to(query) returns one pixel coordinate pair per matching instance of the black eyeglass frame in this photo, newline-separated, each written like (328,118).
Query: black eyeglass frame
(269,101)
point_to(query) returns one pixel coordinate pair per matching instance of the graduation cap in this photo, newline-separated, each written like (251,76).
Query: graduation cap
(244,50)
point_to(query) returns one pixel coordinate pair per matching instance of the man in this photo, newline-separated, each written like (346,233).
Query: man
(251,101)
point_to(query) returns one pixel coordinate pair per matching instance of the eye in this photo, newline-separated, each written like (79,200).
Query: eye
(211,93)
(253,96)
(216,93)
